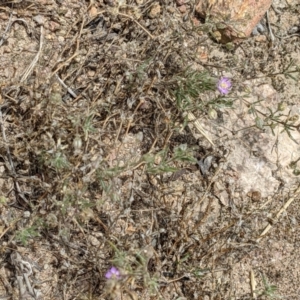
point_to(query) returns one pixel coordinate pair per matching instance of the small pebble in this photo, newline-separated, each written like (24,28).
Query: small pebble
(61,39)
(260,38)
(182,9)
(26,214)
(39,19)
(94,241)
(254,195)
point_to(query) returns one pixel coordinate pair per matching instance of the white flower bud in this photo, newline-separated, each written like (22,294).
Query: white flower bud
(282,106)
(77,143)
(213,115)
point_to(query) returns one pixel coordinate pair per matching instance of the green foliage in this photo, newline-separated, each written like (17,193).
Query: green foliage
(88,126)
(188,86)
(27,233)
(200,272)
(72,199)
(269,289)
(58,161)
(291,70)
(105,178)
(141,70)
(55,159)
(134,264)
(163,161)
(3,200)
(294,166)
(109,173)
(274,118)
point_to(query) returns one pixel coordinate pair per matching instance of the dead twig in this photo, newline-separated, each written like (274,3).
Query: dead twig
(137,23)
(10,164)
(8,26)
(70,91)
(75,53)
(272,37)
(23,271)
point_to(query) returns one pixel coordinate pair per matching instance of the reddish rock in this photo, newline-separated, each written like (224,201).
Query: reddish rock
(182,9)
(53,26)
(232,20)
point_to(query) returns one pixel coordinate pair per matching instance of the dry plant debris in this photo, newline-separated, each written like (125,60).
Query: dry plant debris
(126,131)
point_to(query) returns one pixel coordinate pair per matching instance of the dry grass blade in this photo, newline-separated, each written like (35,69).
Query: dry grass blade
(253,284)
(296,193)
(199,127)
(36,58)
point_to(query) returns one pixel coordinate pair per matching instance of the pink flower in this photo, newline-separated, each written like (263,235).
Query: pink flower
(224,85)
(113,273)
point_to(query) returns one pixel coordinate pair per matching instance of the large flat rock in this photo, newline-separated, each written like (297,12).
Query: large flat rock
(233,19)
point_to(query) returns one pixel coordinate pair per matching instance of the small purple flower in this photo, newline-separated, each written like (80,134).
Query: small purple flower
(224,85)
(112,273)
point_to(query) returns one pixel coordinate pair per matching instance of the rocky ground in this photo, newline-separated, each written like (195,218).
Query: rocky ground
(117,149)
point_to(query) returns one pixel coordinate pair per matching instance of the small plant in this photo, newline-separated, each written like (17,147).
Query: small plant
(269,289)
(27,233)
(161,162)
(72,200)
(55,158)
(200,272)
(88,126)
(288,71)
(187,87)
(130,268)
(273,118)
(294,166)
(59,161)
(105,179)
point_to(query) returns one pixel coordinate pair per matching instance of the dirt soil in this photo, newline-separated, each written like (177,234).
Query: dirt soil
(101,165)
